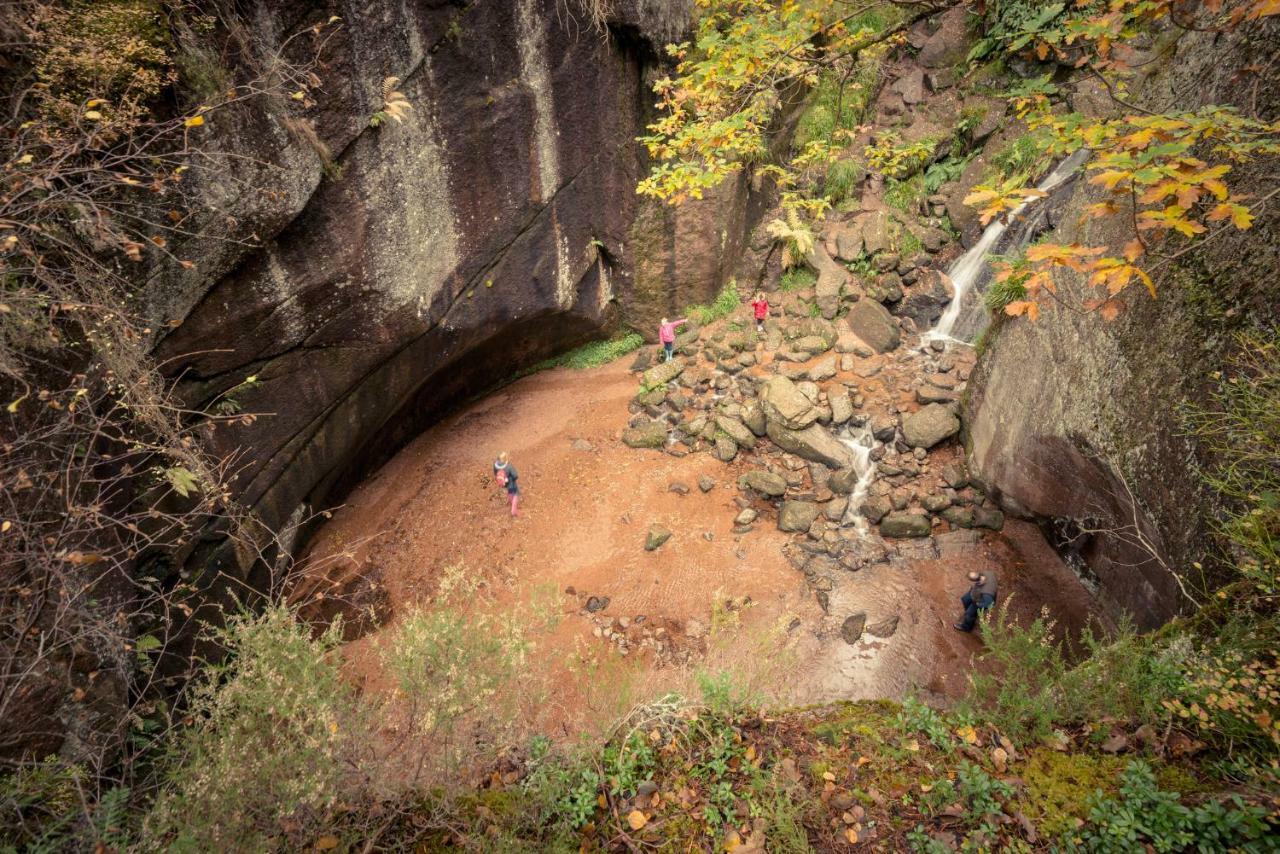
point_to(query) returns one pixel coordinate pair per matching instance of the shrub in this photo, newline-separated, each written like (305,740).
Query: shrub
(726,302)
(1240,431)
(592,354)
(266,746)
(797,279)
(906,195)
(1143,816)
(842,180)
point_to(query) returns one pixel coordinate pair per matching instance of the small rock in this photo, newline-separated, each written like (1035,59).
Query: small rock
(764,482)
(726,449)
(650,435)
(582,445)
(678,488)
(884,628)
(851,628)
(657,535)
(746,517)
(597,603)
(706,483)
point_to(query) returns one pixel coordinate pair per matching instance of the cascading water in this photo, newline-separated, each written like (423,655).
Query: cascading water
(862,443)
(965,315)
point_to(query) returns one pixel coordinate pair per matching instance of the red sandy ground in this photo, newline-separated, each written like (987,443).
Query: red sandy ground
(584,517)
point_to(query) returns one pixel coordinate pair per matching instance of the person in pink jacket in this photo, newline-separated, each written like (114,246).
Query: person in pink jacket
(667,335)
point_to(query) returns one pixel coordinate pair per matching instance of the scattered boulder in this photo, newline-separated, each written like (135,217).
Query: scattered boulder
(785,405)
(851,628)
(984,518)
(824,370)
(843,481)
(949,44)
(930,425)
(652,434)
(959,517)
(814,443)
(848,242)
(930,393)
(797,516)
(662,373)
(911,86)
(904,524)
(833,510)
(657,535)
(764,482)
(883,427)
(884,628)
(876,508)
(753,417)
(875,232)
(737,431)
(841,407)
(873,323)
(725,449)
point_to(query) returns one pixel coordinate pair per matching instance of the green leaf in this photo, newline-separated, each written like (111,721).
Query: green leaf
(146,643)
(182,480)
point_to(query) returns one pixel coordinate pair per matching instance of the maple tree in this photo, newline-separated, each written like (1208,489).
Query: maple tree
(1172,172)
(1169,172)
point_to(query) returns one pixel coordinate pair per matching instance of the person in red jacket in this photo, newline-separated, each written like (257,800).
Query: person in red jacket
(760,306)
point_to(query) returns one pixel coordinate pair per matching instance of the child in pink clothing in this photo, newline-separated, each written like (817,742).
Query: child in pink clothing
(667,335)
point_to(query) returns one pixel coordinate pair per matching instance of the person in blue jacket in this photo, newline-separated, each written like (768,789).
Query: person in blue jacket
(980,597)
(507,477)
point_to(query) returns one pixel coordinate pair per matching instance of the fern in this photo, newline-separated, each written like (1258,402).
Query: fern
(797,236)
(395,106)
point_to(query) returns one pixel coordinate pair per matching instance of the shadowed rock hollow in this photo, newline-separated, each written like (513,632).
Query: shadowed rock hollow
(387,272)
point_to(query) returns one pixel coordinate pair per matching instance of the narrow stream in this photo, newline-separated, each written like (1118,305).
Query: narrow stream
(966,316)
(862,443)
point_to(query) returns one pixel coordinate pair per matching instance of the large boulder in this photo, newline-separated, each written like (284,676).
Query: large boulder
(797,516)
(874,228)
(813,443)
(785,405)
(831,281)
(764,482)
(905,524)
(949,44)
(663,373)
(930,425)
(927,299)
(873,323)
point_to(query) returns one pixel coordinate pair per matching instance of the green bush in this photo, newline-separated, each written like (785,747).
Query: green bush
(1143,816)
(266,743)
(842,180)
(726,302)
(592,354)
(906,195)
(1240,432)
(798,279)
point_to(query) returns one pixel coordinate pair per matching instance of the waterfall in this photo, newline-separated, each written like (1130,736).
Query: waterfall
(965,315)
(862,443)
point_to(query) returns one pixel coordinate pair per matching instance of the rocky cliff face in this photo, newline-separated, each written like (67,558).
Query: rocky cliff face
(1074,421)
(428,260)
